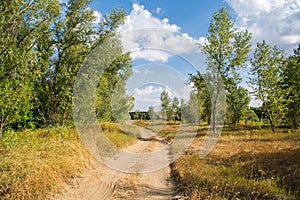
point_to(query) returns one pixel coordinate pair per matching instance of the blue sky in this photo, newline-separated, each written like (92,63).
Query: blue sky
(174,27)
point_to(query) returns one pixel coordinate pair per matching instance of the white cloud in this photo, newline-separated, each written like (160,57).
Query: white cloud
(98,17)
(158,10)
(276,21)
(153,39)
(146,96)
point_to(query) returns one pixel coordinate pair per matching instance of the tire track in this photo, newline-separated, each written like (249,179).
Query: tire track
(104,183)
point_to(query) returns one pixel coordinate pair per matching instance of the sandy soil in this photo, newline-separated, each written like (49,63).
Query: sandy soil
(106,183)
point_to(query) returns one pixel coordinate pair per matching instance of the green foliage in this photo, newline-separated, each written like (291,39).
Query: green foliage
(190,111)
(165,105)
(151,113)
(291,76)
(203,95)
(268,83)
(175,108)
(250,115)
(72,33)
(226,51)
(20,26)
(237,103)
(111,101)
(43,44)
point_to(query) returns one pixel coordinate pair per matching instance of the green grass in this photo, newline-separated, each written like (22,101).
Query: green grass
(142,123)
(114,133)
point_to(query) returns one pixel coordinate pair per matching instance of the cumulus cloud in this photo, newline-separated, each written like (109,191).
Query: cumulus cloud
(148,95)
(153,39)
(276,21)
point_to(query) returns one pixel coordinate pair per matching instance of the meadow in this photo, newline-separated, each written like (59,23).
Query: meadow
(246,163)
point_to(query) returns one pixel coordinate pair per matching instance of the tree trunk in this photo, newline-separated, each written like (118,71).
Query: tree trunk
(271,121)
(295,124)
(233,120)
(214,125)
(272,125)
(1,129)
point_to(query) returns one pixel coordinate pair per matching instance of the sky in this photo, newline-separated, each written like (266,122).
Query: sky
(163,38)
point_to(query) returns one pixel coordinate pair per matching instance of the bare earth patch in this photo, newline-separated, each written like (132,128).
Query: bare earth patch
(103,182)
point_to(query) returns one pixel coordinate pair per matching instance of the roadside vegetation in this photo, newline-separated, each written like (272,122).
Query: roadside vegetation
(36,164)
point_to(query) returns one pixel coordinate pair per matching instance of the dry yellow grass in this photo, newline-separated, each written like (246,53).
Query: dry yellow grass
(246,163)
(36,164)
(243,165)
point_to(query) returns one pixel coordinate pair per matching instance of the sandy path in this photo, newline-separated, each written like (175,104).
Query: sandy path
(106,183)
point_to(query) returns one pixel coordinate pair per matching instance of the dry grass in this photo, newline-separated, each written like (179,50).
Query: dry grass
(36,164)
(243,165)
(246,163)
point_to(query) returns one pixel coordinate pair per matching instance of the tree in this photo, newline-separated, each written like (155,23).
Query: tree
(291,76)
(22,24)
(237,103)
(165,105)
(181,108)
(250,115)
(43,44)
(226,51)
(121,103)
(175,108)
(267,82)
(117,72)
(151,113)
(203,96)
(190,111)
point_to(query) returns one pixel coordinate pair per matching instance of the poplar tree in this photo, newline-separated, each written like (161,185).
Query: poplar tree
(268,83)
(227,49)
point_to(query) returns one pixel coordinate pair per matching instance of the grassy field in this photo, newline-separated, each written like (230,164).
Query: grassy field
(35,164)
(245,164)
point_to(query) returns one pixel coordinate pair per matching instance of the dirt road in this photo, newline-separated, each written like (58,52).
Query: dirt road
(136,183)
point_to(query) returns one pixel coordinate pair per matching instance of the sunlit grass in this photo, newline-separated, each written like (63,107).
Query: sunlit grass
(248,162)
(114,133)
(36,164)
(244,164)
